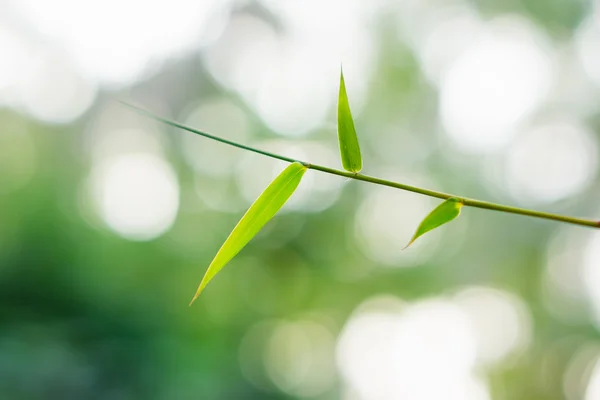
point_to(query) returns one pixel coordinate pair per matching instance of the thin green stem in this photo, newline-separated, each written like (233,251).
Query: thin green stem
(378,181)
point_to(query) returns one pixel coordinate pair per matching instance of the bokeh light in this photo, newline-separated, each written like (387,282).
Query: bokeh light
(439,31)
(501,322)
(141,34)
(495,84)
(137,195)
(296,357)
(591,273)
(40,81)
(551,161)
(580,377)
(587,41)
(563,283)
(299,358)
(425,351)
(593,389)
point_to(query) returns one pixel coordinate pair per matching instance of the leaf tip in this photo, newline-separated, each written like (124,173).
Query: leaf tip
(199,290)
(195,297)
(348,140)
(442,214)
(260,212)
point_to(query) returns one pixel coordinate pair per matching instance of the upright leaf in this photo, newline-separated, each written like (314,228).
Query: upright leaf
(259,213)
(445,212)
(349,148)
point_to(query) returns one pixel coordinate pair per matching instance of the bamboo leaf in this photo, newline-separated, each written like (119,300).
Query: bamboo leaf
(259,213)
(349,148)
(445,212)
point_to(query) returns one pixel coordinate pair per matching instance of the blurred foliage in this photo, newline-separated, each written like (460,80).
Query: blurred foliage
(87,313)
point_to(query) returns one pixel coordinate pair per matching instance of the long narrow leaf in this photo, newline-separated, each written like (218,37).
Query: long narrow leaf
(259,213)
(445,212)
(349,148)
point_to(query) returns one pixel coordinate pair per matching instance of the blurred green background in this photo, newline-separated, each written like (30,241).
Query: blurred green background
(108,220)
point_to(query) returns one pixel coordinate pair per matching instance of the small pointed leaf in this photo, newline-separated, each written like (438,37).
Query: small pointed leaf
(259,213)
(349,148)
(445,212)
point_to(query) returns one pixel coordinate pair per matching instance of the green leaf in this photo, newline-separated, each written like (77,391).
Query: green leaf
(349,148)
(445,212)
(259,213)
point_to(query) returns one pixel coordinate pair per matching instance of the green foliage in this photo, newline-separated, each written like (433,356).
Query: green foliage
(444,213)
(349,148)
(259,213)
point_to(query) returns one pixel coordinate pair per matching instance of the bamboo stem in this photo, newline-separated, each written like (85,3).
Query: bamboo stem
(378,181)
